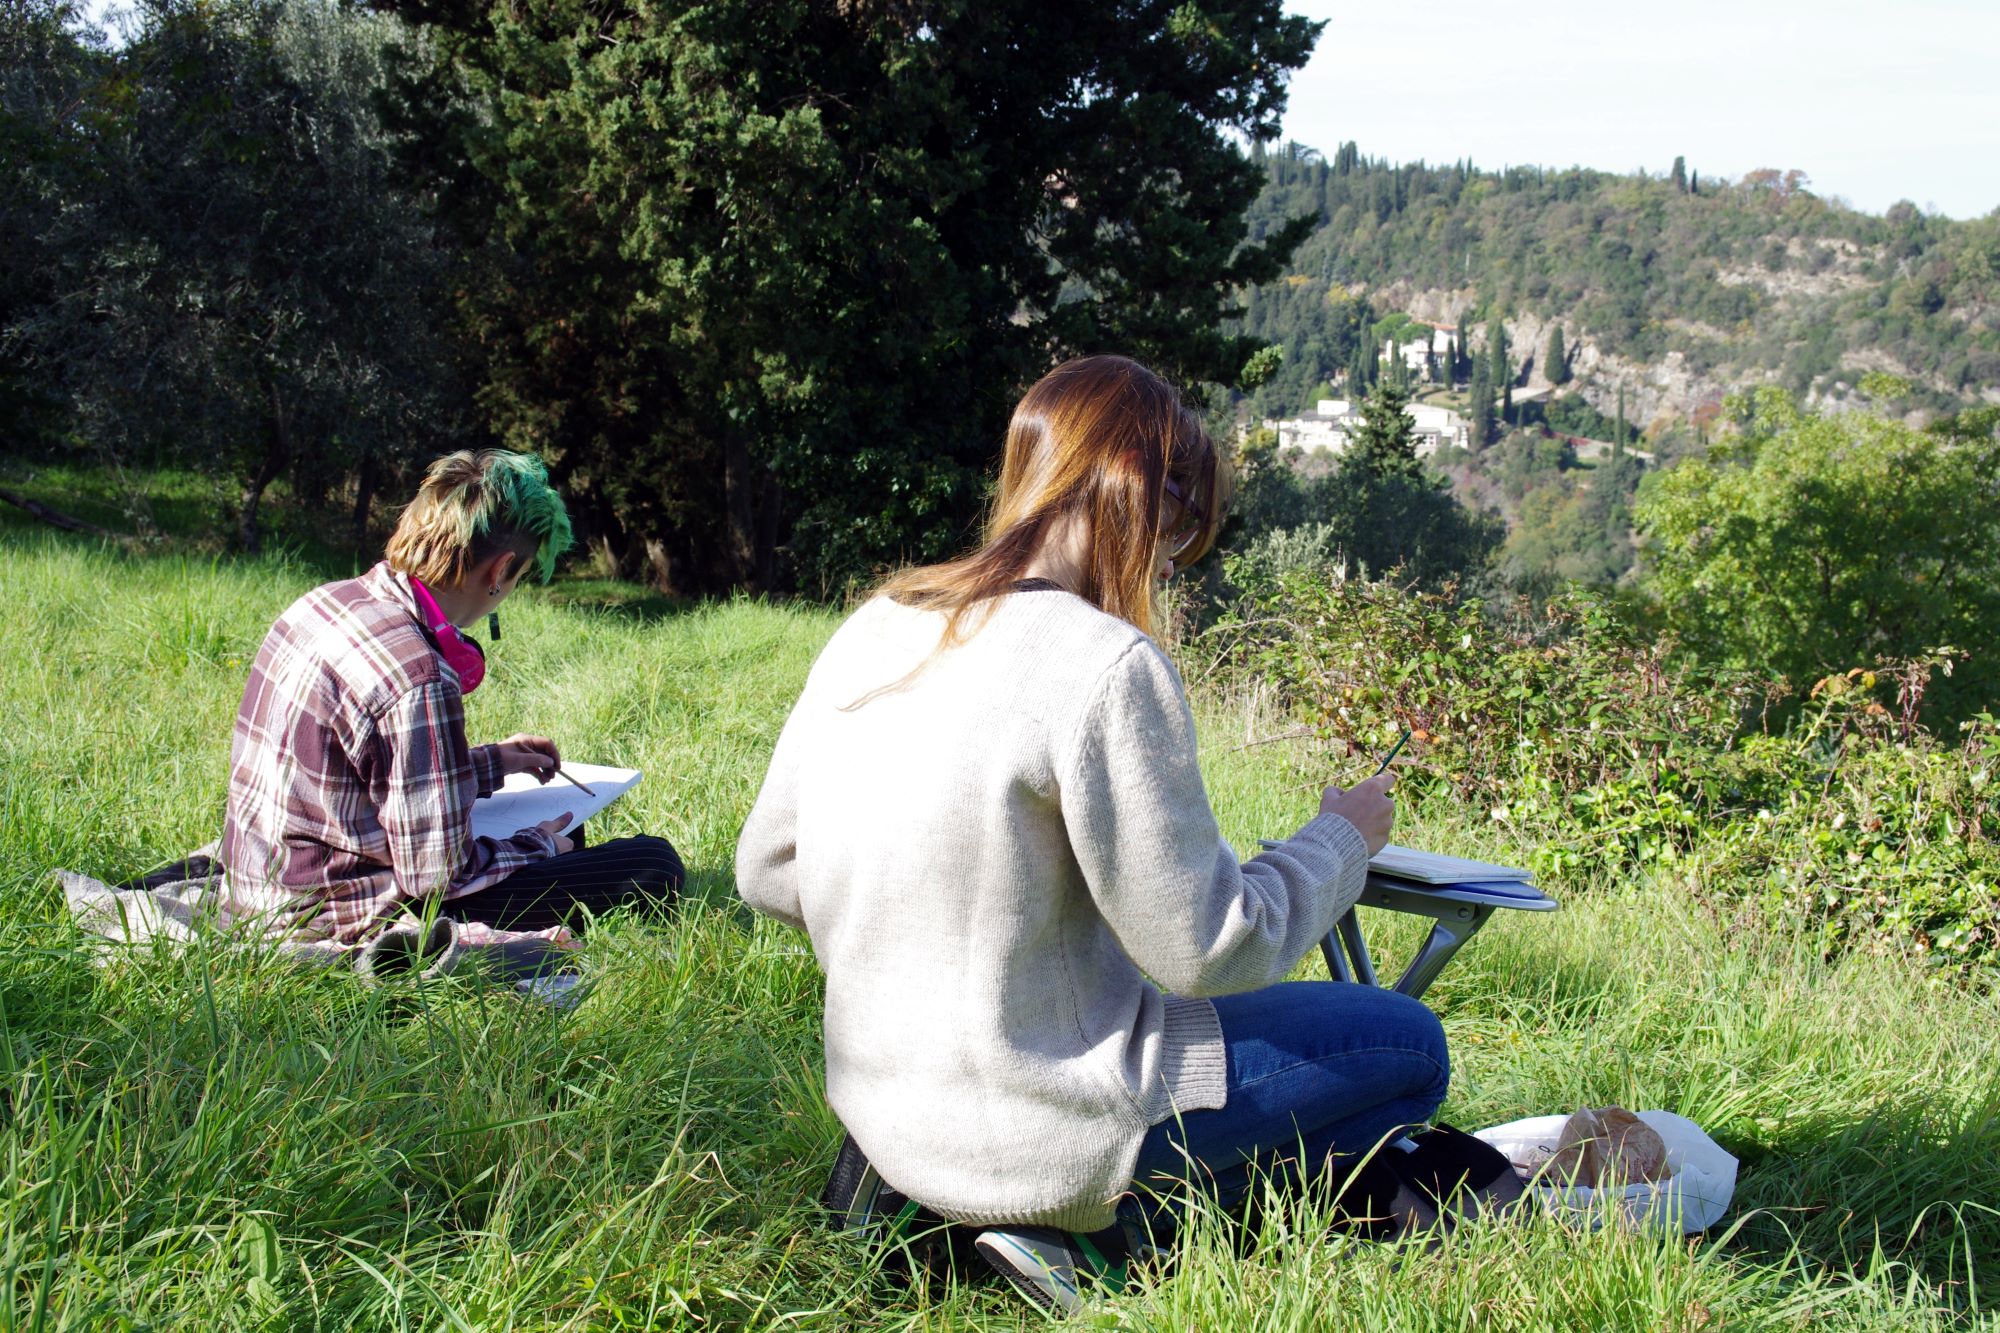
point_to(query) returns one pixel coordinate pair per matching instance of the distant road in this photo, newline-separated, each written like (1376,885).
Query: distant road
(1595,449)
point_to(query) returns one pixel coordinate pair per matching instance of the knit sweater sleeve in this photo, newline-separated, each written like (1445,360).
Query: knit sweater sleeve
(1146,839)
(767,875)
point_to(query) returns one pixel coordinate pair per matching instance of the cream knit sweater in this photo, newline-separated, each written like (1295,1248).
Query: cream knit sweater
(992,860)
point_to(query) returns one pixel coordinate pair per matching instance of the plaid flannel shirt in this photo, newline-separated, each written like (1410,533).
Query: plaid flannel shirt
(351,783)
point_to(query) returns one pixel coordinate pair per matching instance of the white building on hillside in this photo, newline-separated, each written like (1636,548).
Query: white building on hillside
(1416,355)
(1326,428)
(1438,427)
(1334,419)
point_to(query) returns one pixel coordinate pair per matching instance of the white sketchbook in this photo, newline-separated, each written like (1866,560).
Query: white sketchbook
(523,799)
(1434,868)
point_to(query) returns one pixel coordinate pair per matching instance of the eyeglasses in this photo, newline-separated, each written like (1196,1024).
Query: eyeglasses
(1187,526)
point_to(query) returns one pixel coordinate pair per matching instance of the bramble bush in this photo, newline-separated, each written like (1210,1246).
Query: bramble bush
(1599,750)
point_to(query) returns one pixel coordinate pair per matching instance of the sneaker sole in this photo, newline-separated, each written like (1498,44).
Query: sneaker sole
(1014,1261)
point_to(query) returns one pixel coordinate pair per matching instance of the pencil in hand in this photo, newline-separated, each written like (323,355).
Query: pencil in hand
(1393,753)
(587,791)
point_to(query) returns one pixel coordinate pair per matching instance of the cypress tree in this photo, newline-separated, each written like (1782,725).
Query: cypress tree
(1480,420)
(1556,362)
(1618,436)
(1679,175)
(1502,369)
(1385,443)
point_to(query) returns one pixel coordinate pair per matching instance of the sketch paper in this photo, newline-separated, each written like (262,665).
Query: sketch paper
(1433,868)
(522,800)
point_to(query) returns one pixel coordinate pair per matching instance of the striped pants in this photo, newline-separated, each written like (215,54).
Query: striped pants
(641,872)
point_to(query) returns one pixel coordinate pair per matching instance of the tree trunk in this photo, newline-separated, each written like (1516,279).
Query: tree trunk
(739,507)
(660,565)
(364,498)
(770,503)
(277,453)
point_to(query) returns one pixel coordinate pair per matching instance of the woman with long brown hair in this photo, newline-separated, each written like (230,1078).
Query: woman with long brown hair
(986,811)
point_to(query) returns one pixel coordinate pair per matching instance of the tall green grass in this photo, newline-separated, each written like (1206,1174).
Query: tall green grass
(205,1141)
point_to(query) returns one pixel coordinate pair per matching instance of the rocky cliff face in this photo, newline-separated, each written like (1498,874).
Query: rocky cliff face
(1671,388)
(1654,391)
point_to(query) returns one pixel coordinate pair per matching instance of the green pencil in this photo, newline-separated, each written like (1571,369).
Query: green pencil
(1393,753)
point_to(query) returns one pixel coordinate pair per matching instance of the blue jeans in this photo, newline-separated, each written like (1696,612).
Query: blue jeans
(1319,1066)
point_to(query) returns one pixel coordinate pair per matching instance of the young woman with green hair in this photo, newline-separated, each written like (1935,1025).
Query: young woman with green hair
(351,780)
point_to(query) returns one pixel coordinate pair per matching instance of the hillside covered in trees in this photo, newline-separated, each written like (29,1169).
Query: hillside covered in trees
(1680,286)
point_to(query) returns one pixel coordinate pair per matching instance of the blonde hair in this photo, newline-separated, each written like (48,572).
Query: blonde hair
(472,505)
(1097,438)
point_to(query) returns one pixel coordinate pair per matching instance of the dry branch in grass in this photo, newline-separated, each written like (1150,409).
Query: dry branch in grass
(56,518)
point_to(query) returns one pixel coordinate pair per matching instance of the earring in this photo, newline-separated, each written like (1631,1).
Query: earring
(493,590)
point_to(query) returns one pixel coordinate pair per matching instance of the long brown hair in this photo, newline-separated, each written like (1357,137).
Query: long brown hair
(1097,438)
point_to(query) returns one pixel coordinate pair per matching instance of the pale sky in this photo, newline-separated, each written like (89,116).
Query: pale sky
(1875,102)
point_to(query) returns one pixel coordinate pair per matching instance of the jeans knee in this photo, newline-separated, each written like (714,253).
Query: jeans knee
(1426,1033)
(1441,1052)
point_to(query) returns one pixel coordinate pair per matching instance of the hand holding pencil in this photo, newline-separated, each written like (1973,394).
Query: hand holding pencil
(1401,741)
(526,753)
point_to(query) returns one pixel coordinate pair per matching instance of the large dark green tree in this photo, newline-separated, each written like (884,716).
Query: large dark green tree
(767,274)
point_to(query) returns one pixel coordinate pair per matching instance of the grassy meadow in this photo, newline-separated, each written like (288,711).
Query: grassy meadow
(205,1142)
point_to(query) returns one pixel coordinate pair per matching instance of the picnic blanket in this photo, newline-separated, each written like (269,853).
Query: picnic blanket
(189,901)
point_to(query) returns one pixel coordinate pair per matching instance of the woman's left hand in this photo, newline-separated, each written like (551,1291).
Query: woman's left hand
(522,753)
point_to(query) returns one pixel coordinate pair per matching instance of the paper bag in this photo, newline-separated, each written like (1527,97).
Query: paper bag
(1693,1197)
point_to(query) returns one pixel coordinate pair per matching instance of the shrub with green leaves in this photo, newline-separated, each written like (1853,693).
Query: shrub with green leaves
(1599,750)
(1809,544)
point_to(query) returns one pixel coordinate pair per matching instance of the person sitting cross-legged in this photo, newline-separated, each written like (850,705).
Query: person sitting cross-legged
(351,780)
(1050,984)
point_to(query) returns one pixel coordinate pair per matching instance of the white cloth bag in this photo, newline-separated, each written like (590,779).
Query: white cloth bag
(1693,1197)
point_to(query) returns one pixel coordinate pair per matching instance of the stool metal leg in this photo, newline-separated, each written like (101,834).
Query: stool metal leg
(1329,949)
(1357,948)
(1445,939)
(1453,922)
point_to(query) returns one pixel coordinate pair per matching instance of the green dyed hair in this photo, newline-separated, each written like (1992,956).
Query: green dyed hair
(476,503)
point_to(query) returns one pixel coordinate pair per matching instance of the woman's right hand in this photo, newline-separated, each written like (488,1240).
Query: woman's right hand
(1367,806)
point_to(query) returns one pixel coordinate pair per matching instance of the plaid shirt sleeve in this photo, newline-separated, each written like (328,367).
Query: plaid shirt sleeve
(433,778)
(486,774)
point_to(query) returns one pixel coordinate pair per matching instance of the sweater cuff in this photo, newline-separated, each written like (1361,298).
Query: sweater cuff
(1194,1064)
(1349,862)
